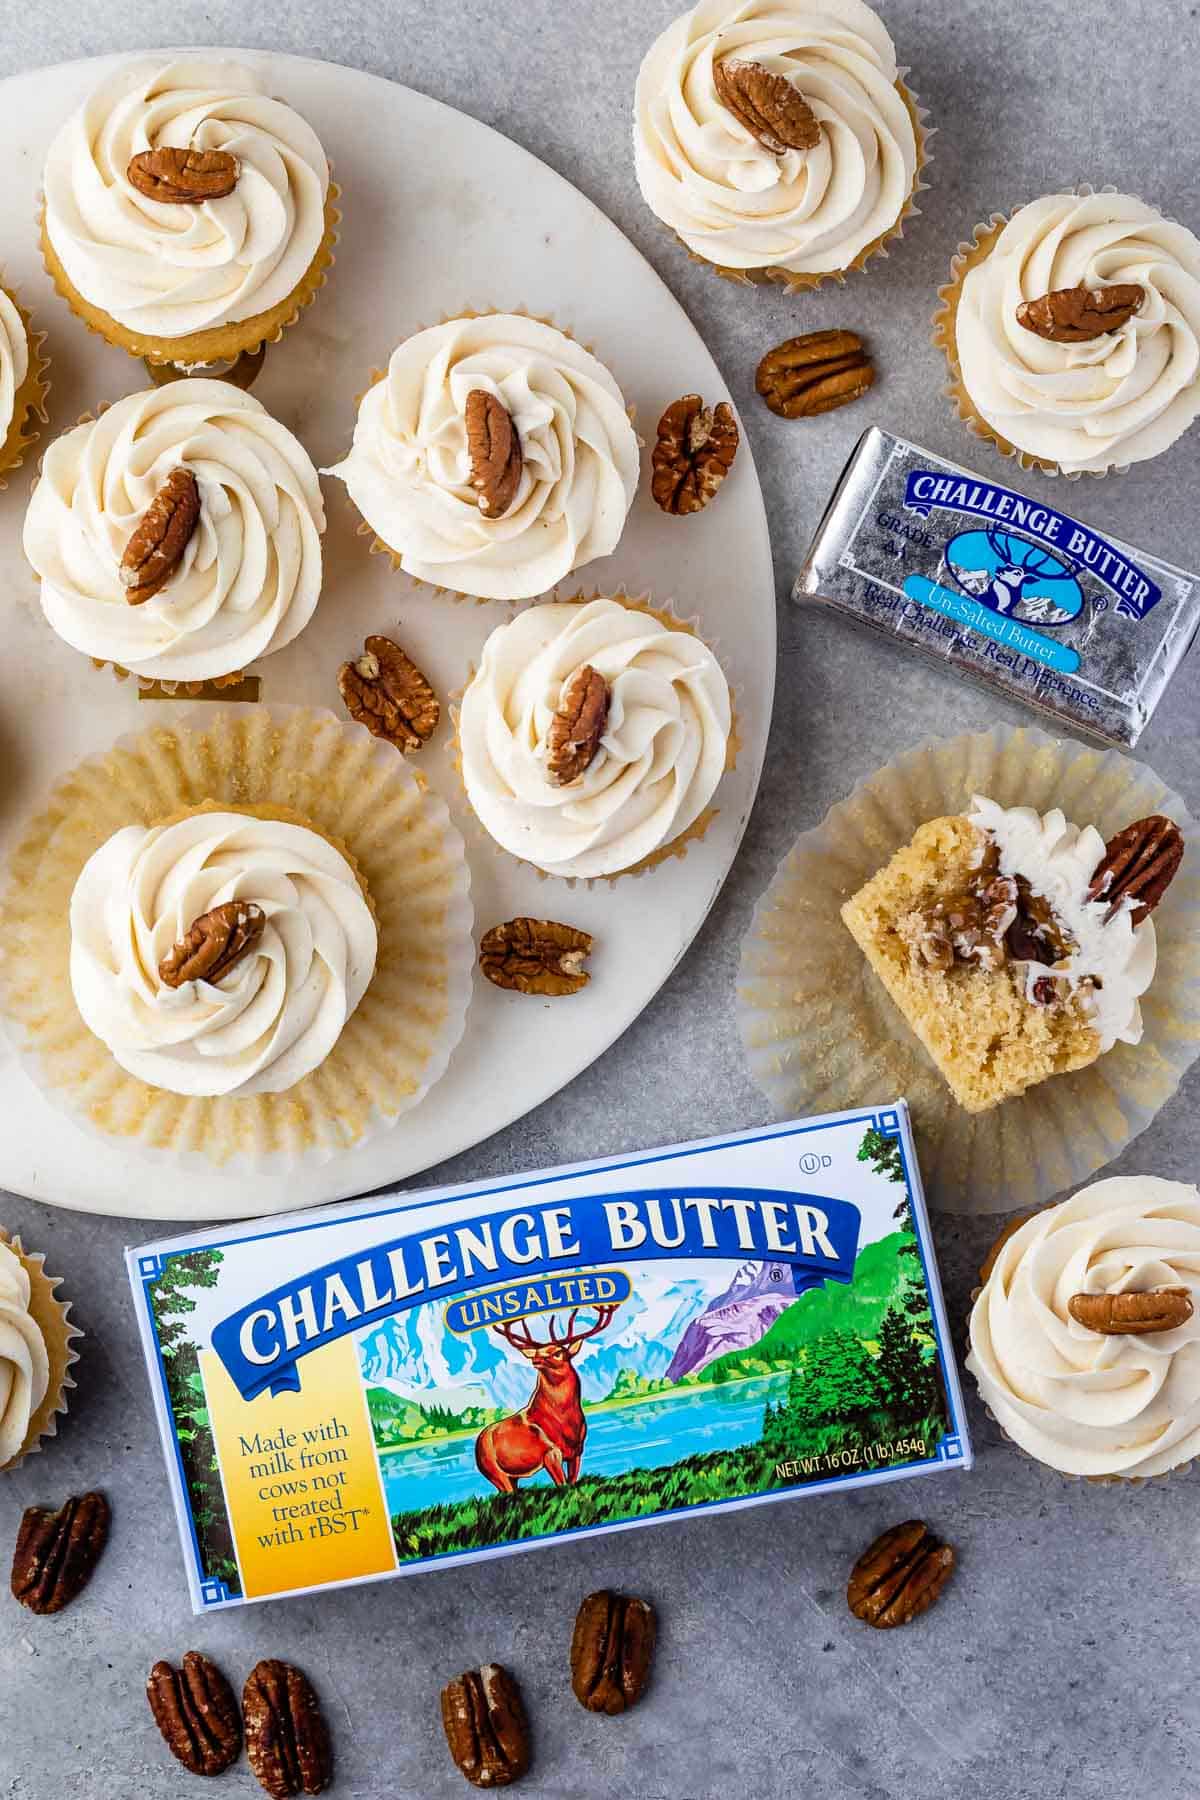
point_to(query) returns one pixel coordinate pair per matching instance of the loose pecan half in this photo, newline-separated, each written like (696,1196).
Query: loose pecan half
(1132,1314)
(814,373)
(216,941)
(494,447)
(536,956)
(771,107)
(1076,315)
(384,690)
(484,1719)
(156,548)
(899,1576)
(196,1712)
(287,1741)
(611,1650)
(183,177)
(1139,864)
(57,1552)
(577,726)
(693,455)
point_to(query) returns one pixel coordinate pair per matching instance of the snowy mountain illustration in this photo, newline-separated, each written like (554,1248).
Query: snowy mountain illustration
(413,1354)
(738,1318)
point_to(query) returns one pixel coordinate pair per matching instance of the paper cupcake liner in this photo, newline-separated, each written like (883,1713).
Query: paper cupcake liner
(29,401)
(52,1317)
(1128,1481)
(376,545)
(357,792)
(678,847)
(821,1034)
(218,343)
(968,255)
(804,283)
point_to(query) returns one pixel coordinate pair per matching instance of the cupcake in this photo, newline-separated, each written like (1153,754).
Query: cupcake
(187,216)
(245,934)
(494,458)
(222,953)
(177,536)
(1072,331)
(23,383)
(35,1352)
(1015,945)
(1084,1336)
(776,138)
(593,737)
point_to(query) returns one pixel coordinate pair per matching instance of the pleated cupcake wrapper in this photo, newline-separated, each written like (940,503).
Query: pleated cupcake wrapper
(1126,1481)
(376,545)
(821,1033)
(29,402)
(969,255)
(803,283)
(302,764)
(215,344)
(52,1317)
(678,847)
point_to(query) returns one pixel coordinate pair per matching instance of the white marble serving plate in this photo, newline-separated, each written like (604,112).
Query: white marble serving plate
(440,214)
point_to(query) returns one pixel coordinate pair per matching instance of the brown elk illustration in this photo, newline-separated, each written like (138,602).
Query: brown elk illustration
(548,1433)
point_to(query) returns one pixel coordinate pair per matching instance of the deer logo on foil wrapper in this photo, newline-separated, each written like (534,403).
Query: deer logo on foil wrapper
(1014,576)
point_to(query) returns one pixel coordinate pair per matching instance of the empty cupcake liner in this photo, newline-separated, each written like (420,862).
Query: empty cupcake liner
(821,1033)
(354,789)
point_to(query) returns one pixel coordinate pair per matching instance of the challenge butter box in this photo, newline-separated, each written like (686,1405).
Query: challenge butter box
(429,1378)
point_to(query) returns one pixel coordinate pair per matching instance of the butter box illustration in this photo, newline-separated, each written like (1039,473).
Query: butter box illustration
(423,1379)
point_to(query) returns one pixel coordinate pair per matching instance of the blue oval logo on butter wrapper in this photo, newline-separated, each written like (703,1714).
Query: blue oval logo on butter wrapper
(1015,577)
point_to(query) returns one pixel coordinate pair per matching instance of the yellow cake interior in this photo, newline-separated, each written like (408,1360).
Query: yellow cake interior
(988,1040)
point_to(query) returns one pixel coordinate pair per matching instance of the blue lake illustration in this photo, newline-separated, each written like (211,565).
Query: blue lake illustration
(645,1434)
(1014,577)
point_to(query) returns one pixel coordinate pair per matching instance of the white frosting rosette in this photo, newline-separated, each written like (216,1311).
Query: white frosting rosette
(24,1363)
(278,1012)
(408,470)
(167,270)
(250,576)
(1083,1402)
(14,362)
(1086,407)
(664,747)
(736,203)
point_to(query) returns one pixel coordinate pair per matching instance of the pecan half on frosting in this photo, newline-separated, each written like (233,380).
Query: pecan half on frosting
(1132,1314)
(183,177)
(1138,866)
(163,533)
(494,447)
(770,106)
(1079,314)
(216,941)
(578,725)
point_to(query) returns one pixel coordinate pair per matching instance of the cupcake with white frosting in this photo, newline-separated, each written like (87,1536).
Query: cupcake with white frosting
(1085,1336)
(188,216)
(776,138)
(36,1352)
(493,458)
(593,737)
(235,571)
(211,944)
(24,383)
(1072,331)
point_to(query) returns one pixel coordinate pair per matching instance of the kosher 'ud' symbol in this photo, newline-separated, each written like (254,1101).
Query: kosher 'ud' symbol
(1015,577)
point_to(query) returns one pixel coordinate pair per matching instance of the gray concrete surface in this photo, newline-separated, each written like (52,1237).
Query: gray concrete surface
(1063,1659)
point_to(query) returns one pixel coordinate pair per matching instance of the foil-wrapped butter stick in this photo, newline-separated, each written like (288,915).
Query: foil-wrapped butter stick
(1002,586)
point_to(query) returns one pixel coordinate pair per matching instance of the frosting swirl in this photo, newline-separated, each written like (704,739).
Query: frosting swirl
(14,361)
(408,468)
(170,270)
(731,200)
(1084,1403)
(24,1366)
(250,576)
(1117,399)
(662,753)
(278,1012)
(1112,961)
